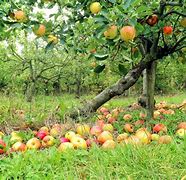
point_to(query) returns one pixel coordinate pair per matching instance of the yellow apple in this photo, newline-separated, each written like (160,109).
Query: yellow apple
(48,141)
(52,39)
(65,146)
(155,137)
(78,142)
(83,130)
(19,146)
(95,7)
(108,127)
(33,143)
(1,134)
(166,139)
(122,137)
(20,16)
(181,133)
(70,134)
(104,136)
(143,135)
(109,144)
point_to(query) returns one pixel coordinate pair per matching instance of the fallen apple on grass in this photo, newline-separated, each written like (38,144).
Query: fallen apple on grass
(104,136)
(33,143)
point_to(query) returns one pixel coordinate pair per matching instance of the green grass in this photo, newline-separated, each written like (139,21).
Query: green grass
(42,106)
(124,162)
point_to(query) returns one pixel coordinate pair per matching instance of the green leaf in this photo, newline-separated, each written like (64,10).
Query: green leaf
(101,57)
(99,68)
(127,58)
(122,69)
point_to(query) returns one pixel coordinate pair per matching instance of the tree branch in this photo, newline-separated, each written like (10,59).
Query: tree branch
(177,44)
(174,12)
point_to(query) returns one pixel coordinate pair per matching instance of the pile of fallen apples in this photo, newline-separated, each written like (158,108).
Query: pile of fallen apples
(102,133)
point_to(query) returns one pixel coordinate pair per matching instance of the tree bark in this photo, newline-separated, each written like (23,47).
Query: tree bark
(116,89)
(150,85)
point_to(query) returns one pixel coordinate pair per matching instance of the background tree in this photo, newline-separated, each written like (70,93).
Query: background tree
(156,28)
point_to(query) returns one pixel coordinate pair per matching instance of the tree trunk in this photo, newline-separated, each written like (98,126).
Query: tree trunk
(116,89)
(150,86)
(30,92)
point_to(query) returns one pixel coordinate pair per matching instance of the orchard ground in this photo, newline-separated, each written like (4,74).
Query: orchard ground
(152,161)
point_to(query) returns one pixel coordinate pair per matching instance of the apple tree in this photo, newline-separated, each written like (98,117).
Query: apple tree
(139,33)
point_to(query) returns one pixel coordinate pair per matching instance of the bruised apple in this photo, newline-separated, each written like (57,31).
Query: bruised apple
(128,128)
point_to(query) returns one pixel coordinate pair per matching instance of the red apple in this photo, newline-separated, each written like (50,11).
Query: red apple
(41,134)
(44,128)
(95,130)
(2,146)
(63,140)
(152,20)
(111,120)
(103,110)
(159,128)
(142,115)
(100,123)
(167,30)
